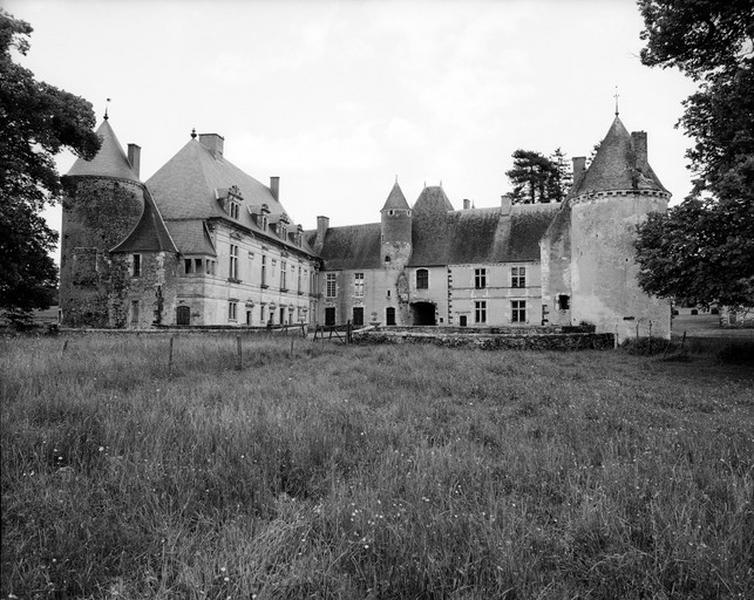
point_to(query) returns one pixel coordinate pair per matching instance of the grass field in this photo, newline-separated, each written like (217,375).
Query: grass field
(371,472)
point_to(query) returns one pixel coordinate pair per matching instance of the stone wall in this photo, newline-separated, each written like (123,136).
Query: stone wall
(529,341)
(98,213)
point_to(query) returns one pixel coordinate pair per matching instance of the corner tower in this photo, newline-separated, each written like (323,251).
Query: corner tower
(103,201)
(614,195)
(395,239)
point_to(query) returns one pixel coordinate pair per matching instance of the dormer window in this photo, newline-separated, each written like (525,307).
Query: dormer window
(234,202)
(282,230)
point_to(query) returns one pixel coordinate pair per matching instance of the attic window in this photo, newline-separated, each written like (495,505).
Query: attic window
(263,222)
(234,202)
(283,230)
(564,302)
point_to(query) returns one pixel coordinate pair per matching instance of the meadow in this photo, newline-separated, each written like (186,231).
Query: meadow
(370,472)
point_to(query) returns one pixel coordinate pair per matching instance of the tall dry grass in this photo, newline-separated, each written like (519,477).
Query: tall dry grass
(387,472)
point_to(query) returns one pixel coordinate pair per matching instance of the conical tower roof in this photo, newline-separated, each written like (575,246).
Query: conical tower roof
(615,166)
(396,199)
(432,200)
(110,161)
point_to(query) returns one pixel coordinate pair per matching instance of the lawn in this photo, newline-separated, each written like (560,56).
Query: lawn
(370,472)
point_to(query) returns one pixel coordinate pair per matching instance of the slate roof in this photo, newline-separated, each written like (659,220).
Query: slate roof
(149,234)
(351,247)
(110,161)
(191,237)
(614,166)
(483,235)
(189,184)
(396,199)
(432,200)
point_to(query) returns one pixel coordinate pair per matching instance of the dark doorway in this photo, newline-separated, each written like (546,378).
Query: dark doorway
(462,320)
(390,315)
(282,315)
(330,315)
(358,316)
(248,317)
(423,313)
(183,315)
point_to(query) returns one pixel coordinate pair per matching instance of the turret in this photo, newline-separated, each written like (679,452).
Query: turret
(103,202)
(615,194)
(396,229)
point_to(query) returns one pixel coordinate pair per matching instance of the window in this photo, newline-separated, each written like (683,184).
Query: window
(233,265)
(136,270)
(264,272)
(263,223)
(518,311)
(298,280)
(564,302)
(261,314)
(480,311)
(134,313)
(358,285)
(358,316)
(518,277)
(283,230)
(330,288)
(234,209)
(480,278)
(198,265)
(232,310)
(187,266)
(390,315)
(283,273)
(422,279)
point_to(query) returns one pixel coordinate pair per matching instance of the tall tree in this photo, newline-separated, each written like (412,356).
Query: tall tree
(530,176)
(561,178)
(703,249)
(37,120)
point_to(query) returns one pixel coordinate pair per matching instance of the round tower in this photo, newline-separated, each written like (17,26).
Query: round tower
(103,201)
(615,194)
(395,236)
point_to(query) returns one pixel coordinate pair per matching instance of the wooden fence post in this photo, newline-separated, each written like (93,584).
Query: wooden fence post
(65,346)
(170,357)
(293,337)
(239,356)
(650,338)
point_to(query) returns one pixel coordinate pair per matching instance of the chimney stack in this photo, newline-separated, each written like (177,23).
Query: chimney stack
(322,224)
(505,204)
(466,204)
(275,187)
(213,142)
(134,157)
(639,141)
(579,167)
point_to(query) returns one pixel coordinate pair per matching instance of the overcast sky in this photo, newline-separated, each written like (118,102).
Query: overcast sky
(337,98)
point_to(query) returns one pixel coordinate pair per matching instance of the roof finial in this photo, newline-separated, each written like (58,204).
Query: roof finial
(441,183)
(107,105)
(193,133)
(616,96)
(396,178)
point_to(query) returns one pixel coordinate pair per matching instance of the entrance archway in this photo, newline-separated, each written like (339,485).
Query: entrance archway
(423,313)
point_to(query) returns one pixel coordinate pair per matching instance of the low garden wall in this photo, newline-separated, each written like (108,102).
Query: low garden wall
(504,341)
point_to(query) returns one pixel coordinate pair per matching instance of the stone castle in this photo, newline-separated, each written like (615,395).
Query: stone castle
(203,243)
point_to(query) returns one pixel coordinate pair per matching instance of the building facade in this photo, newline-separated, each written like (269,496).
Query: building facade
(203,243)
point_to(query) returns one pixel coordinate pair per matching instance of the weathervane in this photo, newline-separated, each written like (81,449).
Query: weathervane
(107,105)
(616,96)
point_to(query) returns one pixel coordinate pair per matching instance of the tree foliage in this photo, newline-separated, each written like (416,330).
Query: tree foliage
(537,178)
(703,250)
(37,120)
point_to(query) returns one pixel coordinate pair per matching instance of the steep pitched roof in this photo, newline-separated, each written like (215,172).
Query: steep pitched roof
(352,247)
(191,237)
(110,161)
(432,200)
(189,184)
(615,166)
(396,199)
(150,233)
(482,235)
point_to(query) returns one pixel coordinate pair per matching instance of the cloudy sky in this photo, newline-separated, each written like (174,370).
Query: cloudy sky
(337,98)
